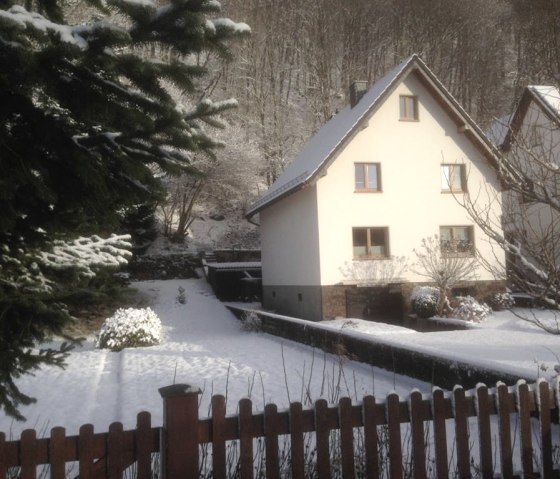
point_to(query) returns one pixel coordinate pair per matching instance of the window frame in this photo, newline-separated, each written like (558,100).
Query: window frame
(470,252)
(365,167)
(405,104)
(369,255)
(452,166)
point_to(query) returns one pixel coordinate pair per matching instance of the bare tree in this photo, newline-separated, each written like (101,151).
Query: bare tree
(375,272)
(177,209)
(446,264)
(529,170)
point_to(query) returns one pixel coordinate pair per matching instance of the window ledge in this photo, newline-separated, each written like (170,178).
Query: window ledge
(413,120)
(367,190)
(370,258)
(458,255)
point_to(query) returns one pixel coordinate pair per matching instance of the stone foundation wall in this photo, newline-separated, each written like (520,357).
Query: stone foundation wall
(171,266)
(384,303)
(333,302)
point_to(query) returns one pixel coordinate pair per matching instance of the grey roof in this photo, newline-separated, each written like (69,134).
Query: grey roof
(321,147)
(498,130)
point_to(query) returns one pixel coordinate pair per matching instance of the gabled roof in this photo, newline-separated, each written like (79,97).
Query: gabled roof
(323,147)
(548,100)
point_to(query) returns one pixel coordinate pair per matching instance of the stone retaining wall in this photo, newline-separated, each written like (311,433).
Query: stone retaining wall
(438,371)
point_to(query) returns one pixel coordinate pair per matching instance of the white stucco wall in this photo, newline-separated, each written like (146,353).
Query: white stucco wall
(411,203)
(289,240)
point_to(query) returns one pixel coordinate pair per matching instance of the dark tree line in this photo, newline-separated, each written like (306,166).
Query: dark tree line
(294,71)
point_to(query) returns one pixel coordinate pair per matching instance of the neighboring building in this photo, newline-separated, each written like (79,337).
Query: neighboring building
(531,143)
(375,180)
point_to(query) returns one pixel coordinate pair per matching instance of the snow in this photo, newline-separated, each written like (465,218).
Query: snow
(235,27)
(502,342)
(549,94)
(203,346)
(68,34)
(86,253)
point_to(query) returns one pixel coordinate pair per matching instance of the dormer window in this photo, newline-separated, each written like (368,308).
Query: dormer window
(408,108)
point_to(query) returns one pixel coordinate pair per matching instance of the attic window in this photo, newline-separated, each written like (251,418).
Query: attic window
(408,107)
(367,177)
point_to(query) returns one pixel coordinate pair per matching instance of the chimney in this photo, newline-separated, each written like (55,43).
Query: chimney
(357,91)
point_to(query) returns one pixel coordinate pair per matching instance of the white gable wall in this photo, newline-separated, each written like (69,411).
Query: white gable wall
(411,203)
(289,240)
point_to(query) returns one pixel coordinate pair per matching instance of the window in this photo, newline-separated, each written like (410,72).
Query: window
(456,240)
(453,178)
(408,107)
(370,243)
(367,176)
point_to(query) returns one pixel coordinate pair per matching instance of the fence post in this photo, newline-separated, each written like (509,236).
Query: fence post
(179,434)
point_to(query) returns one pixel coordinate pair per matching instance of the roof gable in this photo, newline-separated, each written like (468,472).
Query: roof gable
(547,98)
(324,145)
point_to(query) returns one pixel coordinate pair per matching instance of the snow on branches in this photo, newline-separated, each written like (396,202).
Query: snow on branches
(29,271)
(88,254)
(378,272)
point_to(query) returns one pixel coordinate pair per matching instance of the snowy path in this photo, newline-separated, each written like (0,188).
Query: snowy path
(204,346)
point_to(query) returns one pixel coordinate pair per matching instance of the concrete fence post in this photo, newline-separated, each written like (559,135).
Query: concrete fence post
(179,434)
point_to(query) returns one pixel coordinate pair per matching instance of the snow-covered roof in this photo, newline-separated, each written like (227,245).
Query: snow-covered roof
(549,97)
(545,96)
(236,265)
(333,135)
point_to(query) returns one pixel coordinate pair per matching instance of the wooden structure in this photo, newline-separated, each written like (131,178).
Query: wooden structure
(369,439)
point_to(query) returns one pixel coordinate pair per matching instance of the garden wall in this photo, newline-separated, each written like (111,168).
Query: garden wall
(438,371)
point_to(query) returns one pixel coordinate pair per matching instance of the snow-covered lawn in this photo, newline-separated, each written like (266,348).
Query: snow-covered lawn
(203,345)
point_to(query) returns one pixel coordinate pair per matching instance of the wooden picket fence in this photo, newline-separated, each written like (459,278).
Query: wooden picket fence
(505,432)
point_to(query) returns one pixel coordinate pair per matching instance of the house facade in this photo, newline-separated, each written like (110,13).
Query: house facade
(375,180)
(532,146)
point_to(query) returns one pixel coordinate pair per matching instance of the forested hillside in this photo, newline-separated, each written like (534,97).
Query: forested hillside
(293,72)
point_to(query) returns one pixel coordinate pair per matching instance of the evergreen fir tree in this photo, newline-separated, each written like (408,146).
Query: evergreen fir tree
(85,118)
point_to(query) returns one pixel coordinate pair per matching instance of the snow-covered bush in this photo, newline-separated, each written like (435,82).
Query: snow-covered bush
(181,297)
(251,322)
(129,328)
(501,301)
(469,309)
(424,300)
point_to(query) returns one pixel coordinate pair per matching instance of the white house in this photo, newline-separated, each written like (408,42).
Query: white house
(532,145)
(375,180)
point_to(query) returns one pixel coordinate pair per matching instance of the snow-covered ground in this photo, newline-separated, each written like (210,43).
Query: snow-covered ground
(502,342)
(205,346)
